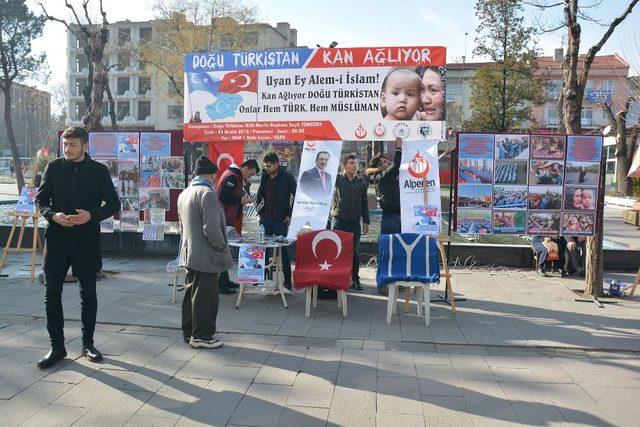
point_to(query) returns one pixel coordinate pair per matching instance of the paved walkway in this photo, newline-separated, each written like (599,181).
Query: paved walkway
(519,350)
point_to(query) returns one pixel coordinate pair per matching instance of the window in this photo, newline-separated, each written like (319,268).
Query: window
(608,85)
(453,91)
(589,85)
(173,92)
(586,116)
(174,112)
(610,167)
(124,60)
(144,109)
(81,63)
(554,89)
(122,109)
(610,152)
(77,44)
(146,34)
(250,38)
(552,116)
(81,84)
(123,85)
(144,84)
(124,36)
(80,110)
(105,109)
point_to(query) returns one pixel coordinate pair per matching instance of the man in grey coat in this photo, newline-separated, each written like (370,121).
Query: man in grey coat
(204,253)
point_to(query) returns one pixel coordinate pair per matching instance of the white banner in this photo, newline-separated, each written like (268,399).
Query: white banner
(420,208)
(316,180)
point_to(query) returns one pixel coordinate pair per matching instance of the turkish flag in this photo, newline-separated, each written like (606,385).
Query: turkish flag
(239,81)
(324,258)
(223,154)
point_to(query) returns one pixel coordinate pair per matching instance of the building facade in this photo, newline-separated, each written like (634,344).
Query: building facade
(146,100)
(31,118)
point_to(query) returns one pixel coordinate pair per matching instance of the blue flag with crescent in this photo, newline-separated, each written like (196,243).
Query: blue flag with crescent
(407,257)
(204,82)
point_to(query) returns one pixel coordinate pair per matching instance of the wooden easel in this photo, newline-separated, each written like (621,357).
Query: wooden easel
(635,284)
(36,245)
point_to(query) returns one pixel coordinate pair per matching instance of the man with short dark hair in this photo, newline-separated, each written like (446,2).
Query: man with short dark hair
(316,183)
(232,195)
(274,204)
(348,207)
(71,198)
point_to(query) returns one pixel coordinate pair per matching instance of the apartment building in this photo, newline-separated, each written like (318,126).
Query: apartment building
(146,100)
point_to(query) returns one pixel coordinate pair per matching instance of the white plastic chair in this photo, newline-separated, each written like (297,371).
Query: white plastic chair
(424,299)
(173,266)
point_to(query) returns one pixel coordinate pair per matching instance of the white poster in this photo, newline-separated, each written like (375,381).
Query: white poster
(420,208)
(316,180)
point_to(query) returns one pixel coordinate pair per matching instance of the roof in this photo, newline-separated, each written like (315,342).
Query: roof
(600,62)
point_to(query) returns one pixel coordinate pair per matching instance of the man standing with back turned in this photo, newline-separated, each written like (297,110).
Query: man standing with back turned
(71,198)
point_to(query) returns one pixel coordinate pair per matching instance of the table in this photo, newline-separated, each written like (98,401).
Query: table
(275,284)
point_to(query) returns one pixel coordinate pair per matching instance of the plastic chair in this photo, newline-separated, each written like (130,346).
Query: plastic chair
(173,266)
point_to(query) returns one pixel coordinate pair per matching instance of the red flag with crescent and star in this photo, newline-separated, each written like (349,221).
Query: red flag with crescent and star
(224,154)
(324,258)
(239,81)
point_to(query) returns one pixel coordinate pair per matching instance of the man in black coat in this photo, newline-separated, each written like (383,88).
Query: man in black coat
(71,198)
(316,183)
(274,203)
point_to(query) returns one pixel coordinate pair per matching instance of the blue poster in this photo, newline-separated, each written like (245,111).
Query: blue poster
(155,144)
(476,145)
(584,148)
(251,264)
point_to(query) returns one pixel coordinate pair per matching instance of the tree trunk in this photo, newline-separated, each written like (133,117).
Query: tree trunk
(622,162)
(112,108)
(15,154)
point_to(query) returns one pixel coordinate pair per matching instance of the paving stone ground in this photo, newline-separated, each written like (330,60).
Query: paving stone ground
(519,350)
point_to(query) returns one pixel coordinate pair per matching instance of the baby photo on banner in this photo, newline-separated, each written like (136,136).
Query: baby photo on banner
(420,188)
(316,180)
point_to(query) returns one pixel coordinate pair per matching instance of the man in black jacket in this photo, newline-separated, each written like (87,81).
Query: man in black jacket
(274,204)
(348,206)
(385,177)
(70,197)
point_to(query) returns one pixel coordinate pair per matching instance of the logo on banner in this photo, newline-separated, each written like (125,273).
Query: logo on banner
(379,130)
(311,144)
(401,130)
(424,130)
(418,166)
(361,132)
(326,235)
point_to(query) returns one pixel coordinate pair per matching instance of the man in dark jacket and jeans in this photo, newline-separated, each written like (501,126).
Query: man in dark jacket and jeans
(71,198)
(274,204)
(348,206)
(385,177)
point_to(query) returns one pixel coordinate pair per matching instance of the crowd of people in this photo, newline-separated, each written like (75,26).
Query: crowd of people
(546,200)
(544,223)
(511,148)
(514,199)
(471,175)
(506,173)
(469,225)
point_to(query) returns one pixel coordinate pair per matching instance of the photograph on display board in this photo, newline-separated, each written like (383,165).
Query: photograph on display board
(173,165)
(151,198)
(128,144)
(584,148)
(546,172)
(129,220)
(509,222)
(582,173)
(511,172)
(107,225)
(400,95)
(472,221)
(509,197)
(111,163)
(578,223)
(128,178)
(155,144)
(475,145)
(580,198)
(512,147)
(545,197)
(475,171)
(129,204)
(173,180)
(543,223)
(548,147)
(474,196)
(103,144)
(151,172)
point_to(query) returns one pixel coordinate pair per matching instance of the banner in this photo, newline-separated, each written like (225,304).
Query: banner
(420,209)
(527,184)
(367,93)
(316,180)
(251,264)
(224,154)
(634,170)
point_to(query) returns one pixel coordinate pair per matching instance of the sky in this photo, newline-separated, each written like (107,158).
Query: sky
(355,23)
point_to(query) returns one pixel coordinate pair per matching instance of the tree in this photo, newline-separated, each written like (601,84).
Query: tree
(18,27)
(503,92)
(573,86)
(93,38)
(185,26)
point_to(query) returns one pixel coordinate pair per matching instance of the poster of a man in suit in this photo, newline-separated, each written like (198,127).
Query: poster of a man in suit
(316,183)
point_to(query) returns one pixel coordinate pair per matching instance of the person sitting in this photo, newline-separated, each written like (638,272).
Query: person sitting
(541,245)
(576,251)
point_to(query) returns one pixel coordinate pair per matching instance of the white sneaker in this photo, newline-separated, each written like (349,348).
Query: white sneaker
(212,343)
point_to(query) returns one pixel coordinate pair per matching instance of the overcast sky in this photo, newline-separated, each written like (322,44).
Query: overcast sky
(372,23)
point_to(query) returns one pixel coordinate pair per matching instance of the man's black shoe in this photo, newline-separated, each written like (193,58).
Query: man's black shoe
(91,353)
(226,291)
(52,357)
(355,283)
(233,285)
(542,273)
(564,273)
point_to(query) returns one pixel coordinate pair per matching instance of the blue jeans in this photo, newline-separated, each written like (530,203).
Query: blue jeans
(390,223)
(351,227)
(273,227)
